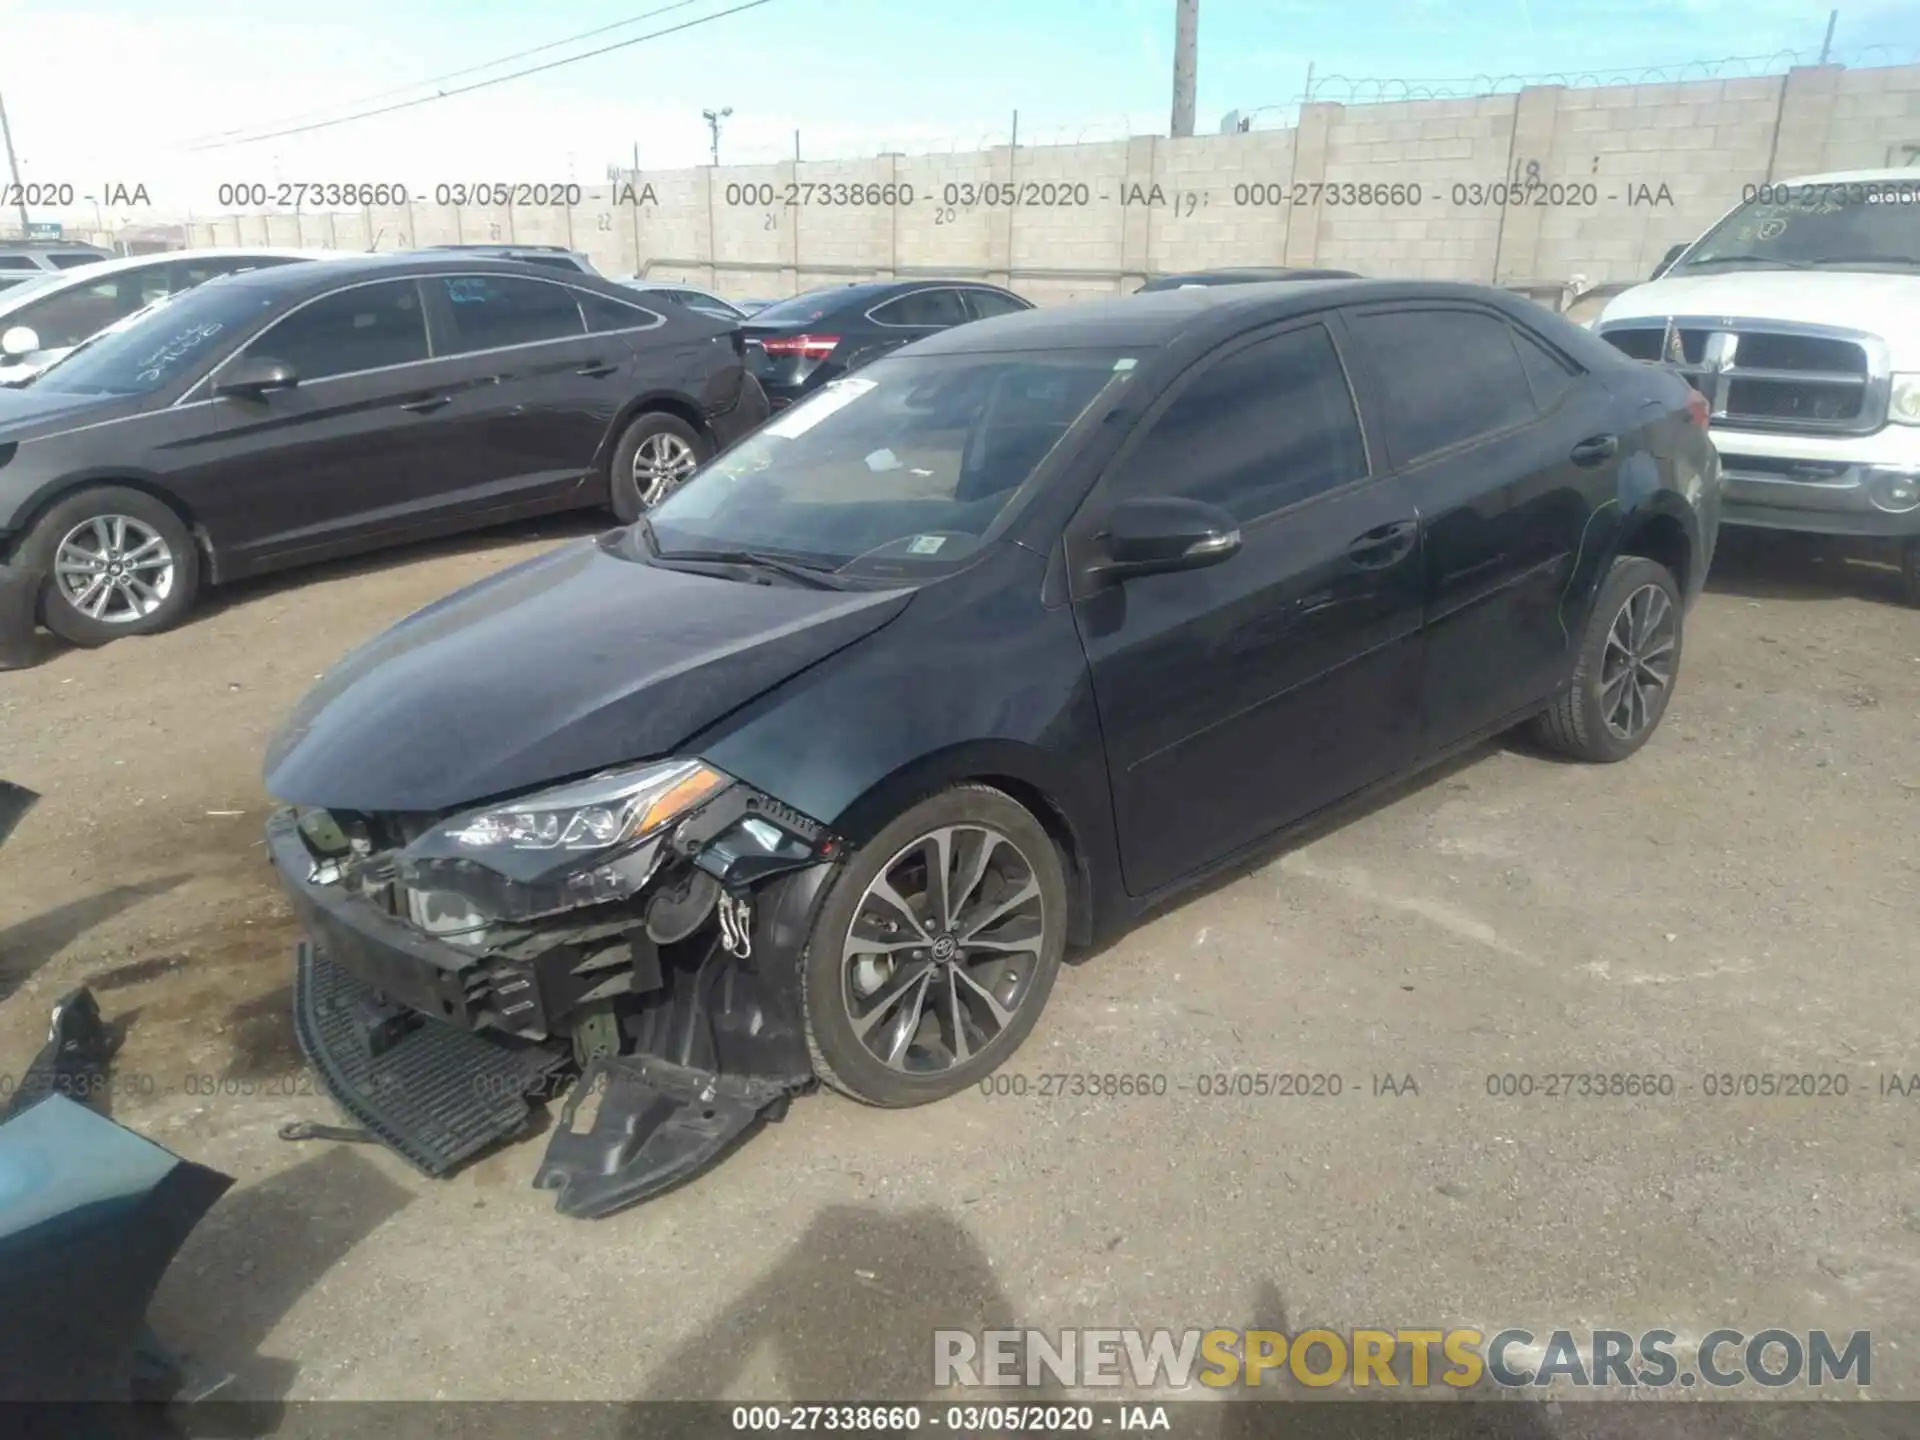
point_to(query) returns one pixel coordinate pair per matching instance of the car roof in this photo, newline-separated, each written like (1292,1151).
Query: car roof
(117,263)
(1159,318)
(406,264)
(1909,176)
(1248,274)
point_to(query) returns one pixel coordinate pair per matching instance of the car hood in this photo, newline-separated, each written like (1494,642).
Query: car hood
(1879,304)
(577,660)
(34,414)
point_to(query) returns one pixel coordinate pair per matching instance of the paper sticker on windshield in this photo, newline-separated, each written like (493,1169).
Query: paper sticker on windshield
(810,412)
(926,544)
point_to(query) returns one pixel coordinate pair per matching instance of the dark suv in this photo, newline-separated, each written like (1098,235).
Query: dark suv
(27,259)
(796,346)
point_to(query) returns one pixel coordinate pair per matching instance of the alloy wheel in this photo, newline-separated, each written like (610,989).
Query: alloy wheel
(660,463)
(114,569)
(1636,667)
(943,948)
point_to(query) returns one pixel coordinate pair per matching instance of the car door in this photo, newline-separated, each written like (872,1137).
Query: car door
(1505,482)
(1238,698)
(540,392)
(352,455)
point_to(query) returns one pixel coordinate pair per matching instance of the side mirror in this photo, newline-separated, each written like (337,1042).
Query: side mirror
(253,376)
(1152,536)
(20,340)
(1672,255)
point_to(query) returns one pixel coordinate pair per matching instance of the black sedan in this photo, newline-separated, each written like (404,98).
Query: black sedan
(796,346)
(1238,275)
(313,410)
(817,772)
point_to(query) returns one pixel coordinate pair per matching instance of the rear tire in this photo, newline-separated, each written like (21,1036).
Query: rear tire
(1628,663)
(117,561)
(986,970)
(656,453)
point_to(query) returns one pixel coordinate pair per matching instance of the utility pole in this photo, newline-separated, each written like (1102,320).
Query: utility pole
(713,119)
(13,170)
(1826,45)
(1186,44)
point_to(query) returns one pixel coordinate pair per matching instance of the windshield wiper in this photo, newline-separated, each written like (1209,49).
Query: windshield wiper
(1867,260)
(808,575)
(1747,260)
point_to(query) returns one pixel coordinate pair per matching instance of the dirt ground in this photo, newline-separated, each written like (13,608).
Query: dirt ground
(1740,898)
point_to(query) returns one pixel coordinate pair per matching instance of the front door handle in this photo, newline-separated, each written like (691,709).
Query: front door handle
(1596,450)
(1383,545)
(427,406)
(596,370)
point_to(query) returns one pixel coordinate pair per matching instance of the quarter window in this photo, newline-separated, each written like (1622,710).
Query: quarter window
(1445,377)
(923,307)
(1547,373)
(1267,427)
(492,311)
(367,327)
(604,314)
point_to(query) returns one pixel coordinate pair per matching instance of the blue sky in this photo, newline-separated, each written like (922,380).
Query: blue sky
(97,89)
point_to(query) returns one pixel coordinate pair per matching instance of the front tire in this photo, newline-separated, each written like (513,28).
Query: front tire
(117,561)
(656,452)
(1629,659)
(935,950)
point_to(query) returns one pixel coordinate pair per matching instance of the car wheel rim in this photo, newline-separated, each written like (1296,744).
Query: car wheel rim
(1636,668)
(943,949)
(114,569)
(659,465)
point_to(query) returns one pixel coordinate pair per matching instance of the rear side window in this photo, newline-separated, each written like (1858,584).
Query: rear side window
(491,312)
(1445,377)
(367,327)
(985,304)
(70,259)
(924,307)
(16,262)
(1547,373)
(604,314)
(1267,427)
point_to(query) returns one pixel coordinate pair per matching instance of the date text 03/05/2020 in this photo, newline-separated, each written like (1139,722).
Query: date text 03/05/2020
(361,194)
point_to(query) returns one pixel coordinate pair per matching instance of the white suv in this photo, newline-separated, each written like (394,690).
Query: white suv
(1798,317)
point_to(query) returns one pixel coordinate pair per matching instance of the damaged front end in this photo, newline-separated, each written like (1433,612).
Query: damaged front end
(636,934)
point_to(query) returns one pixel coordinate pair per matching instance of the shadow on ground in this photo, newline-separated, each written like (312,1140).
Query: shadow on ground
(27,946)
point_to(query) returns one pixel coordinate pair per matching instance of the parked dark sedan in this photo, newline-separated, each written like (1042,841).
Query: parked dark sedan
(796,346)
(313,410)
(817,771)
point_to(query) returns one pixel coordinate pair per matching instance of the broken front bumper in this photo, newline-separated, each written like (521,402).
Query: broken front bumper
(442,1053)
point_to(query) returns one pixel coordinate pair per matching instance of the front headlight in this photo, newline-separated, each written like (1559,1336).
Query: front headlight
(600,813)
(1903,407)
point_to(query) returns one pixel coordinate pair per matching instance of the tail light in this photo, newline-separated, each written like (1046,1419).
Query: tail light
(811,347)
(1697,409)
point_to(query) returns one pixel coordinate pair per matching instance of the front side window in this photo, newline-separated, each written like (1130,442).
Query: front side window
(65,319)
(1445,376)
(923,307)
(74,258)
(491,312)
(1265,428)
(367,327)
(906,467)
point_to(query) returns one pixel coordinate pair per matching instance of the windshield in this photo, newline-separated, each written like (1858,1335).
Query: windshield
(903,468)
(163,344)
(1840,225)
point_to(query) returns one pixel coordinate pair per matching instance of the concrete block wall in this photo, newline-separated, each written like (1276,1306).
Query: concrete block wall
(1615,175)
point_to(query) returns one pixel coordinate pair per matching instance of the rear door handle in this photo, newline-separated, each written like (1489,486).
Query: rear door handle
(1596,450)
(1383,545)
(427,406)
(597,370)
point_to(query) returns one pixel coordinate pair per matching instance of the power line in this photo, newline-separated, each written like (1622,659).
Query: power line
(199,140)
(481,84)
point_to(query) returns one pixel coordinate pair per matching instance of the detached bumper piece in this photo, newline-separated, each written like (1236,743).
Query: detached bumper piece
(436,1094)
(652,1125)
